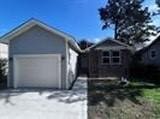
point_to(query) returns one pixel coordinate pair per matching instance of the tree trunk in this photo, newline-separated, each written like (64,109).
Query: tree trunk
(116,30)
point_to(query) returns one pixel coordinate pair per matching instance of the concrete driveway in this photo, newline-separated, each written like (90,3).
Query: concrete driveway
(45,104)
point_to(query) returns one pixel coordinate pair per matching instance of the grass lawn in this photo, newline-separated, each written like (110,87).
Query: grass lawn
(109,100)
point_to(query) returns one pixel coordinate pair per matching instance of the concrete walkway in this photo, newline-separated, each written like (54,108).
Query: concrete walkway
(45,104)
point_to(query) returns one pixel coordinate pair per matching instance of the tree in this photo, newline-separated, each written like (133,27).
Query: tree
(131,22)
(3,69)
(85,44)
(158,2)
(157,12)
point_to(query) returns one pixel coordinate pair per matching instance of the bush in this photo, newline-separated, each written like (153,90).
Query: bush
(145,72)
(3,72)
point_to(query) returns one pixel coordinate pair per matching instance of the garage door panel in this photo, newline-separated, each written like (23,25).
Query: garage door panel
(40,71)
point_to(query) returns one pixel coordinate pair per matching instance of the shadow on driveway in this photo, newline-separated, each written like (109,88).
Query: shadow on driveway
(77,94)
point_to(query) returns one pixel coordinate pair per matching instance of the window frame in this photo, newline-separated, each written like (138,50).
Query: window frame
(102,58)
(119,57)
(110,57)
(150,54)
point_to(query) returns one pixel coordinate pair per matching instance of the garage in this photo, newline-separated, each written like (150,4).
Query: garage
(41,56)
(41,71)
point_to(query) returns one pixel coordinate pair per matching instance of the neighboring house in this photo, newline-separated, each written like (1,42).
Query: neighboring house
(83,63)
(150,55)
(3,51)
(41,56)
(108,58)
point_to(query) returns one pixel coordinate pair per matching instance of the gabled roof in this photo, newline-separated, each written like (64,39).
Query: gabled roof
(157,38)
(32,22)
(121,44)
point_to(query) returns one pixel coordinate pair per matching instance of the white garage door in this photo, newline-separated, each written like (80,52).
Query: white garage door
(42,71)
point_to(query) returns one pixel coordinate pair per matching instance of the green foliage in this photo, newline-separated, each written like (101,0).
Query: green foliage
(148,73)
(85,44)
(130,20)
(158,2)
(158,10)
(3,69)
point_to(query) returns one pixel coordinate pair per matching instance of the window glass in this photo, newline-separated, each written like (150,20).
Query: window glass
(106,53)
(153,54)
(115,60)
(115,53)
(111,57)
(105,60)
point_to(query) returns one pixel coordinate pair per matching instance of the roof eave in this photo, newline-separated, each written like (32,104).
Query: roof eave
(32,22)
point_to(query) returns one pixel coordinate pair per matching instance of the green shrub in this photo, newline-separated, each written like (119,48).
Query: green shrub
(145,72)
(3,72)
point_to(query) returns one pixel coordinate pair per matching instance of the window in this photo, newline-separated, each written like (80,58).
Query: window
(106,57)
(153,54)
(111,57)
(115,57)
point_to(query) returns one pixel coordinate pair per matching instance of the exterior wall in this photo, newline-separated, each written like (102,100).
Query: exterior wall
(146,59)
(97,69)
(37,41)
(3,51)
(71,65)
(83,64)
(108,43)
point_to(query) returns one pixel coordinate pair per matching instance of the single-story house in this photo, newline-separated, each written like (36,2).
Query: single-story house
(41,56)
(3,51)
(108,58)
(150,55)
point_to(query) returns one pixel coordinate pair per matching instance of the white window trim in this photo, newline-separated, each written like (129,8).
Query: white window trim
(150,54)
(111,57)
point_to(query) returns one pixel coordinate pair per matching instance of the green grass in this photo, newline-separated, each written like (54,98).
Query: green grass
(152,95)
(109,100)
(150,91)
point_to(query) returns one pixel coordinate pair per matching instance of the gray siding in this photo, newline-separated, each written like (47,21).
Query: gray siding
(146,59)
(37,41)
(108,43)
(97,69)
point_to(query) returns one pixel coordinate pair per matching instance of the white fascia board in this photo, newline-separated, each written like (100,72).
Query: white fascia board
(32,22)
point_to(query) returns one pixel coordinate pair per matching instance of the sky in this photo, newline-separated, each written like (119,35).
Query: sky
(80,18)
